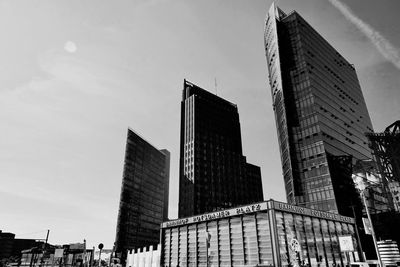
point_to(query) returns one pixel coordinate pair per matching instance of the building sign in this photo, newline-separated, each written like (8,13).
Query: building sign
(367,226)
(346,243)
(77,246)
(254,208)
(313,213)
(217,215)
(58,253)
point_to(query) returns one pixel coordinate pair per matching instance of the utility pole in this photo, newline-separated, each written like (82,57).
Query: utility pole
(215,83)
(44,248)
(47,236)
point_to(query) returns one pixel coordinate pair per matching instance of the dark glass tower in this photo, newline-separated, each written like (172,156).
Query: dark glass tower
(144,194)
(214,174)
(320,113)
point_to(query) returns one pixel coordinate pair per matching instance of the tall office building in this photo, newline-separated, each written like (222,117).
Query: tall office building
(214,174)
(144,194)
(320,113)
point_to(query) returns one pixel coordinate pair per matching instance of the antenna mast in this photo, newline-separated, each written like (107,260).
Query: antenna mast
(215,83)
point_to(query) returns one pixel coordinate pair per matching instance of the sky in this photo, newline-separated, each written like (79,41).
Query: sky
(76,74)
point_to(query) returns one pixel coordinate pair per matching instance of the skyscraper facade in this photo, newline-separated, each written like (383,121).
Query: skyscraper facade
(320,113)
(214,174)
(144,194)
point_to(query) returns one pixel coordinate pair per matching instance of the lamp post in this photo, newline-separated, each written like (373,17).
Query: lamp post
(361,185)
(100,248)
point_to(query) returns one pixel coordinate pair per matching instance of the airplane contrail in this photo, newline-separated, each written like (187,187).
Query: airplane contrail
(387,50)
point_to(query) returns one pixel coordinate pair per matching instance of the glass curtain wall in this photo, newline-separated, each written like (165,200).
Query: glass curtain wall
(312,241)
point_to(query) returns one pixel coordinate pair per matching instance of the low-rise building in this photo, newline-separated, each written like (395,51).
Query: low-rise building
(6,244)
(269,233)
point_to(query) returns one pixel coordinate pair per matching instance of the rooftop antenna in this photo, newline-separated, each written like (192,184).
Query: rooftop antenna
(215,83)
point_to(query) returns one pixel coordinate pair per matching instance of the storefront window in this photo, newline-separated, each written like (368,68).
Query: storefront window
(292,240)
(335,244)
(213,248)
(339,231)
(321,258)
(349,255)
(250,240)
(182,245)
(345,229)
(301,235)
(264,239)
(327,242)
(312,249)
(167,246)
(236,241)
(192,253)
(353,235)
(174,247)
(282,244)
(201,244)
(224,243)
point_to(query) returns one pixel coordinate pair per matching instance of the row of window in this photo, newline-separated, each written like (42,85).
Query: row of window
(318,240)
(339,139)
(360,138)
(318,196)
(313,172)
(346,94)
(327,205)
(228,242)
(323,94)
(315,42)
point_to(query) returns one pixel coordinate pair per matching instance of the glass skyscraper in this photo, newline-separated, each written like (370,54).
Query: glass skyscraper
(214,174)
(144,195)
(320,113)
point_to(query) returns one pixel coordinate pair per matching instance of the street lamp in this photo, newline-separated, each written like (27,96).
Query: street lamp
(100,247)
(362,186)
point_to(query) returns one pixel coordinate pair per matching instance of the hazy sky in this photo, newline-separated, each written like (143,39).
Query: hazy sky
(74,75)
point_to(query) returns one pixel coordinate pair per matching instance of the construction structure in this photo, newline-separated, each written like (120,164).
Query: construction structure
(386,149)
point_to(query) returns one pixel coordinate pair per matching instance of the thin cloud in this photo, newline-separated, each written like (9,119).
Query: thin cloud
(387,50)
